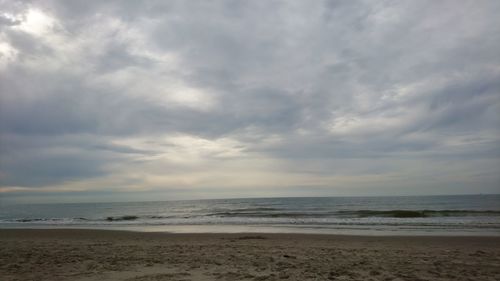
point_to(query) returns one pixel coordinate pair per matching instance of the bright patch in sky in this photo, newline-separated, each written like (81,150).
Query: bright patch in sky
(36,22)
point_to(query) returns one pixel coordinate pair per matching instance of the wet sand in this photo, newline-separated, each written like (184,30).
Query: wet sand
(30,254)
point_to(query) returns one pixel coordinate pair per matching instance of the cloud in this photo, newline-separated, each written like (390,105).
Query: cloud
(334,95)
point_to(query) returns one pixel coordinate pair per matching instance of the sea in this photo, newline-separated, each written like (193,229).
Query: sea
(470,215)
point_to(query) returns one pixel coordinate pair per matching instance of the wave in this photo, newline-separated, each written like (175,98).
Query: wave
(267,213)
(122,218)
(360,214)
(270,215)
(279,213)
(419,213)
(46,219)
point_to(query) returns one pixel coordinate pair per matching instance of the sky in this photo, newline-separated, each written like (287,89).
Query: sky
(166,100)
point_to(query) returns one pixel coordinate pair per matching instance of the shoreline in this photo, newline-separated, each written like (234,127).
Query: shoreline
(85,254)
(160,231)
(268,229)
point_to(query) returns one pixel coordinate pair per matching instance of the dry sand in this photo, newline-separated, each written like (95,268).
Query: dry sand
(120,255)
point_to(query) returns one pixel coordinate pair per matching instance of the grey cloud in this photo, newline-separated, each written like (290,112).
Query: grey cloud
(4,20)
(27,45)
(9,8)
(40,170)
(278,68)
(117,57)
(48,160)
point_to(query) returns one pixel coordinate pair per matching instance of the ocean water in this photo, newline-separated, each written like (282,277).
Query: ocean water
(411,215)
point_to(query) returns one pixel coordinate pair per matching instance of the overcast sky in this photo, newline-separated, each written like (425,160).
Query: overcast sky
(158,100)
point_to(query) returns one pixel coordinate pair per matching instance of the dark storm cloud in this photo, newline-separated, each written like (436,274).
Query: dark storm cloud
(309,84)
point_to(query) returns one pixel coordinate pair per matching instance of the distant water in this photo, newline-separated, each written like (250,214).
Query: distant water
(433,215)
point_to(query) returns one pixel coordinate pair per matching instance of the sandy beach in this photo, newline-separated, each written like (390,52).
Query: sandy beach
(120,255)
